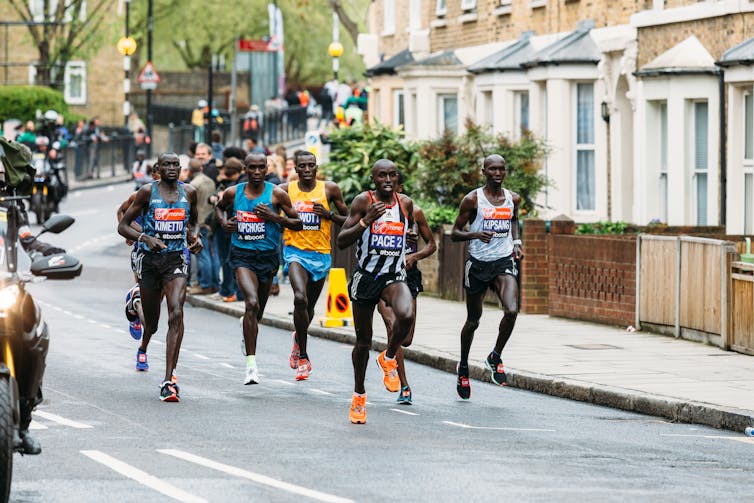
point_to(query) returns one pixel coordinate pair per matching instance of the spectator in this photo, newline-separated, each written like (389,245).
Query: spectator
(198,120)
(217,145)
(204,155)
(28,137)
(235,152)
(253,146)
(95,137)
(208,263)
(252,123)
(228,177)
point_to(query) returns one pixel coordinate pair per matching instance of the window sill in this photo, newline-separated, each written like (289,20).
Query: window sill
(387,33)
(438,23)
(471,17)
(503,10)
(536,4)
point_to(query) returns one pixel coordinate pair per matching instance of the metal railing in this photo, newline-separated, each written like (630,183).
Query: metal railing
(86,160)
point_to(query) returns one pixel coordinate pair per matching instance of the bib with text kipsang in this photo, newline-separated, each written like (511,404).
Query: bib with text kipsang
(386,238)
(306,213)
(250,226)
(497,221)
(169,223)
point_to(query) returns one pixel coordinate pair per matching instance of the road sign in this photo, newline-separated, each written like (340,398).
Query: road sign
(148,77)
(249,45)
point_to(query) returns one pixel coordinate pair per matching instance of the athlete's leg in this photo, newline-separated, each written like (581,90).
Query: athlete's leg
(506,288)
(300,283)
(398,297)
(362,318)
(314,290)
(150,307)
(399,354)
(175,295)
(473,314)
(249,285)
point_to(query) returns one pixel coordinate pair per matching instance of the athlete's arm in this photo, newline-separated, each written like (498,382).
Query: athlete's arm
(226,202)
(518,253)
(333,194)
(356,221)
(192,233)
(289,218)
(429,239)
(122,210)
(140,203)
(467,209)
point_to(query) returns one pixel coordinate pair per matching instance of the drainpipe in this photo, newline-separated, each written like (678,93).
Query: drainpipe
(723,150)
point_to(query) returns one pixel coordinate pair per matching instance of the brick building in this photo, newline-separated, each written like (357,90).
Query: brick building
(626,92)
(92,86)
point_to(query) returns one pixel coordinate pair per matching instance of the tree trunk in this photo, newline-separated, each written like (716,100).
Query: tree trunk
(348,23)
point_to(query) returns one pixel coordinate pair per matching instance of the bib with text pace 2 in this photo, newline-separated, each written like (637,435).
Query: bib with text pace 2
(306,213)
(497,221)
(169,222)
(250,226)
(386,238)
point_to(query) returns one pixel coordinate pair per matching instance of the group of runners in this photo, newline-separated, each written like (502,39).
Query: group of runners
(384,224)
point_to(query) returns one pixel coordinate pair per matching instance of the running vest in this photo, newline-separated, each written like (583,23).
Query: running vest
(315,235)
(381,248)
(254,233)
(496,219)
(165,221)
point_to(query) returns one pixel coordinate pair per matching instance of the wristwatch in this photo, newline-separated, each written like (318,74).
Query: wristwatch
(517,242)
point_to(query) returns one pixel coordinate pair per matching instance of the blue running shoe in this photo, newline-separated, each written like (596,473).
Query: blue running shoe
(135,328)
(141,361)
(404,397)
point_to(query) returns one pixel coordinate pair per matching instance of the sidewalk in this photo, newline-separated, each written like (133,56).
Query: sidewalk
(646,373)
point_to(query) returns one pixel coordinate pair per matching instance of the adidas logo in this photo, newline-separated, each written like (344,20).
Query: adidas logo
(183,200)
(177,271)
(156,201)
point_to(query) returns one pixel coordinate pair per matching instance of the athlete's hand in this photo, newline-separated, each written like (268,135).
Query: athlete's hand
(153,243)
(264,211)
(230,226)
(411,261)
(129,242)
(485,236)
(412,237)
(375,211)
(320,210)
(518,253)
(196,246)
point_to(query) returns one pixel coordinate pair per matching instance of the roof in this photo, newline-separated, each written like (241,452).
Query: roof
(687,57)
(389,65)
(509,58)
(741,54)
(575,48)
(445,58)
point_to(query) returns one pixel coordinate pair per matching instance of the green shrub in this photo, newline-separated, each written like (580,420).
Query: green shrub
(22,102)
(603,228)
(438,215)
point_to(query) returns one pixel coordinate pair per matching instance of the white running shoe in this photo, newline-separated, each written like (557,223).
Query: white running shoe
(252,376)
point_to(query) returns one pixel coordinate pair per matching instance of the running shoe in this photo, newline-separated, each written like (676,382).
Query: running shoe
(463,386)
(141,361)
(252,376)
(495,365)
(390,368)
(404,398)
(295,353)
(230,298)
(170,392)
(304,368)
(135,328)
(133,298)
(358,413)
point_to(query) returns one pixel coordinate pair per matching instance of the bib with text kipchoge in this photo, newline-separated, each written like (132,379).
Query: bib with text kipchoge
(250,226)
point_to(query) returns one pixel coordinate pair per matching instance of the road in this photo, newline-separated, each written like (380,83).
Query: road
(106,435)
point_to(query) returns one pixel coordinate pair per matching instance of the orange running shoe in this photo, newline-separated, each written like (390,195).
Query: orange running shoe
(304,367)
(390,367)
(358,414)
(293,359)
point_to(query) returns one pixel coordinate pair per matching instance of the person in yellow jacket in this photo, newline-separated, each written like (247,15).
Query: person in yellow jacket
(307,252)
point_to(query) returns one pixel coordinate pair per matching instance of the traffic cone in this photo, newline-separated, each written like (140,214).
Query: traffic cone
(338,312)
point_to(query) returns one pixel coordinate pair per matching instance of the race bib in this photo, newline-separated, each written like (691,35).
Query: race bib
(497,221)
(169,223)
(386,238)
(306,213)
(250,226)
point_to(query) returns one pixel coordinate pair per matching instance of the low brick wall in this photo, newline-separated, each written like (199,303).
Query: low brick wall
(593,278)
(534,268)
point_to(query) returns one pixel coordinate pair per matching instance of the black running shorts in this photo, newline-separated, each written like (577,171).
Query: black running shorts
(365,288)
(264,264)
(414,281)
(155,270)
(479,275)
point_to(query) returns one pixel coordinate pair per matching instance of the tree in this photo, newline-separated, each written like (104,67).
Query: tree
(62,30)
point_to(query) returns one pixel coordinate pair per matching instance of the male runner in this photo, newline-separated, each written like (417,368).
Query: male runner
(492,214)
(414,281)
(254,244)
(307,252)
(378,222)
(168,226)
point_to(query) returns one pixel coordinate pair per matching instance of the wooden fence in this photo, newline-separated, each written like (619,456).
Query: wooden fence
(683,286)
(742,308)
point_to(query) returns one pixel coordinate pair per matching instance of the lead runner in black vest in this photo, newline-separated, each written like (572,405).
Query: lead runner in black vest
(377,223)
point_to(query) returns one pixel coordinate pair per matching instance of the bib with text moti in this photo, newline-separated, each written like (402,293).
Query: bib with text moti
(497,221)
(169,223)
(305,210)
(386,238)
(250,226)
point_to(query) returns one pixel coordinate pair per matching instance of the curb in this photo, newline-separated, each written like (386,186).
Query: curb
(98,183)
(674,409)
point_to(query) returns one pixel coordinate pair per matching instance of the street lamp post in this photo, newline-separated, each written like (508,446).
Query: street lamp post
(335,49)
(126,46)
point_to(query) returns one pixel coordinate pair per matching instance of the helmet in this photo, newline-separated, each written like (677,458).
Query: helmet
(202,103)
(51,115)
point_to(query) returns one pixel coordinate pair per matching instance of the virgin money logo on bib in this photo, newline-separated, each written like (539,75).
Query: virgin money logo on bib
(169,220)
(497,221)
(250,226)
(386,238)
(305,210)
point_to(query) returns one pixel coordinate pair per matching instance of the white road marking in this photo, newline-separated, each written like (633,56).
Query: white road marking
(105,325)
(500,428)
(142,477)
(77,316)
(227,365)
(405,412)
(93,322)
(67,313)
(61,420)
(201,357)
(254,477)
(287,383)
(319,391)
(36,426)
(156,342)
(745,440)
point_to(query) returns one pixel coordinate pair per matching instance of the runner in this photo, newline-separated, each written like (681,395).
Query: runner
(169,225)
(254,250)
(378,222)
(307,252)
(494,248)
(414,281)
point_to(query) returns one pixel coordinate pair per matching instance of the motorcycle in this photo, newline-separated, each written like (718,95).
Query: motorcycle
(50,185)
(23,332)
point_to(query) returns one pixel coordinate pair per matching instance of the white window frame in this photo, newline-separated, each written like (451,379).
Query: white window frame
(467,5)
(398,96)
(441,98)
(517,101)
(388,17)
(486,113)
(415,15)
(36,9)
(662,109)
(695,171)
(748,162)
(584,147)
(441,8)
(71,68)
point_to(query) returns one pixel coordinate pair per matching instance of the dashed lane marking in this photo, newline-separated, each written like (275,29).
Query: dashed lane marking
(36,426)
(287,383)
(142,477)
(62,420)
(227,365)
(197,355)
(408,413)
(319,391)
(499,428)
(255,477)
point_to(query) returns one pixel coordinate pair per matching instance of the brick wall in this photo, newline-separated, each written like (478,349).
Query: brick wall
(534,268)
(593,278)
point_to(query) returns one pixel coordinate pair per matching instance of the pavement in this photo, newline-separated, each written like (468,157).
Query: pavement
(647,373)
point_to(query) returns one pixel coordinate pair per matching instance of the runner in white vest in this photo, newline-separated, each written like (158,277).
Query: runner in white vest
(495,245)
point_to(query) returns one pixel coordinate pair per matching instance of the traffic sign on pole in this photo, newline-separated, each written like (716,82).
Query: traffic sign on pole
(148,77)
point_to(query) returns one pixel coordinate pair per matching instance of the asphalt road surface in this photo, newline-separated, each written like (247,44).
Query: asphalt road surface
(107,437)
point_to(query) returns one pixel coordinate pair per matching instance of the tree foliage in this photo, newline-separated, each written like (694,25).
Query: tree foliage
(23,102)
